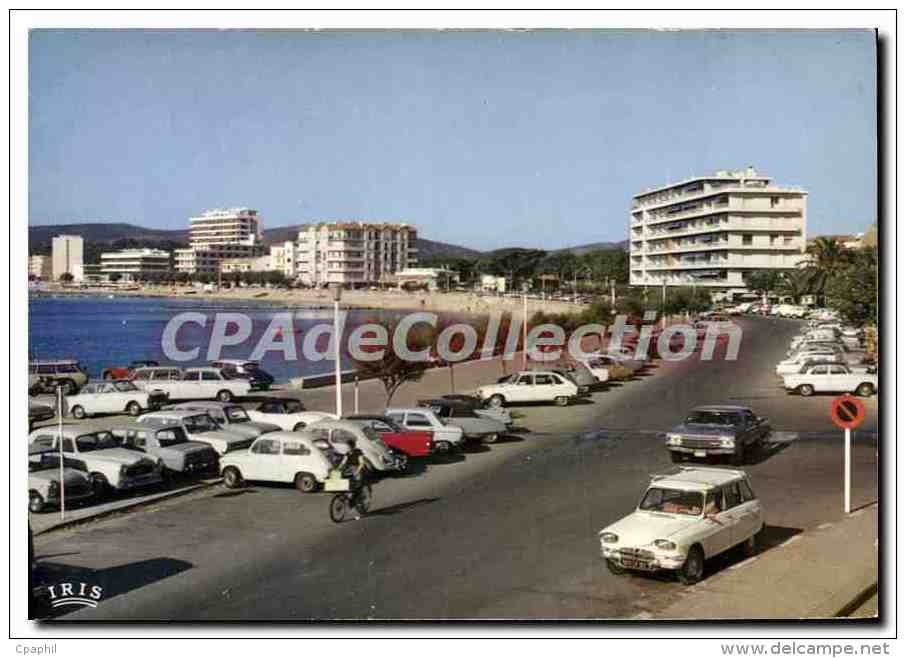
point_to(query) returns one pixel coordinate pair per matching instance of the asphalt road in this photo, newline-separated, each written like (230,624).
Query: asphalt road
(503,532)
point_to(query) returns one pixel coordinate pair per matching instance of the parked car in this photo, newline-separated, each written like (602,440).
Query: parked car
(199,426)
(577,373)
(727,430)
(67,373)
(194,384)
(288,414)
(113,397)
(445,437)
(461,414)
(259,379)
(801,363)
(98,452)
(39,411)
(290,457)
(530,386)
(413,443)
(625,356)
(849,356)
(44,480)
(832,378)
(337,434)
(598,366)
(684,519)
(125,372)
(170,444)
(230,416)
(481,408)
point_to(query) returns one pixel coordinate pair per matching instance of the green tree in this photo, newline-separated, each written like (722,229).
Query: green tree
(796,284)
(66,277)
(763,281)
(114,277)
(854,290)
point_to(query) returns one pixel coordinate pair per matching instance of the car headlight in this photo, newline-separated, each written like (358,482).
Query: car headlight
(727,442)
(674,439)
(123,471)
(664,544)
(609,538)
(53,490)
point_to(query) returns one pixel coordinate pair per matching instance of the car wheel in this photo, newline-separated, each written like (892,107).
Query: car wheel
(402,462)
(693,568)
(78,411)
(497,400)
(298,427)
(133,408)
(491,438)
(99,485)
(561,401)
(69,387)
(750,546)
(677,457)
(805,390)
(615,567)
(306,482)
(865,390)
(232,478)
(225,396)
(35,502)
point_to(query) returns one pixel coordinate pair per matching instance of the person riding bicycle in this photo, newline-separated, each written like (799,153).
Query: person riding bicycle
(353,467)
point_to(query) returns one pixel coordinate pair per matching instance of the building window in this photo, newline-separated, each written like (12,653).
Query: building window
(774,237)
(747,239)
(775,201)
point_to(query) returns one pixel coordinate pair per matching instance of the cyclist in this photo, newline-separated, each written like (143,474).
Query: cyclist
(353,467)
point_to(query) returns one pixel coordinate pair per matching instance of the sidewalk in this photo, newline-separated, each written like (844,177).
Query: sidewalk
(820,573)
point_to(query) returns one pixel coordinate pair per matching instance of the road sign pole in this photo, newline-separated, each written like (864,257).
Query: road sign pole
(847,470)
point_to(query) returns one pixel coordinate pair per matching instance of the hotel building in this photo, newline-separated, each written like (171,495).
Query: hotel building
(66,255)
(712,230)
(133,264)
(220,234)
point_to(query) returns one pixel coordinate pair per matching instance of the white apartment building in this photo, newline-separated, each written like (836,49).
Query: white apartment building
(711,230)
(133,264)
(66,254)
(352,254)
(40,267)
(259,264)
(220,234)
(283,259)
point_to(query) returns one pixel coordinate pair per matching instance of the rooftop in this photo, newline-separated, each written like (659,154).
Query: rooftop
(691,477)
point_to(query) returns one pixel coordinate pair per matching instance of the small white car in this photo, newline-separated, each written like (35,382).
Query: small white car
(98,453)
(795,364)
(288,414)
(832,378)
(530,386)
(194,384)
(598,366)
(685,518)
(44,480)
(290,457)
(231,417)
(445,437)
(113,397)
(199,426)
(338,433)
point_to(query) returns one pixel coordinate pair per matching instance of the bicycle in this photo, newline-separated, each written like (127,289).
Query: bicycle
(344,501)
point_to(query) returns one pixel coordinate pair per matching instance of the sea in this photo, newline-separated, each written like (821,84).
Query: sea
(101,331)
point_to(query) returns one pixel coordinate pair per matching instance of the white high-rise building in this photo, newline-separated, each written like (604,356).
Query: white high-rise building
(220,234)
(349,253)
(67,251)
(712,230)
(133,264)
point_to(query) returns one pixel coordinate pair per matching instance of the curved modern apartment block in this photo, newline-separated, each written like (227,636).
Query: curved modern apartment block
(711,230)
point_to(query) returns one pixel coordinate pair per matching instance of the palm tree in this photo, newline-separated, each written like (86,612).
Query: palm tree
(829,259)
(797,283)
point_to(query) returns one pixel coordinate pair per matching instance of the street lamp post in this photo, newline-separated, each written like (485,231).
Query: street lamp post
(337,293)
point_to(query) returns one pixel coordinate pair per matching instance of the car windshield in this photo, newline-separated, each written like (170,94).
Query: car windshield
(96,441)
(199,424)
(237,414)
(124,386)
(672,501)
(294,407)
(712,418)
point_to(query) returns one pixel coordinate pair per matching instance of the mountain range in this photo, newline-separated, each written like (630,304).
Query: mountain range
(39,239)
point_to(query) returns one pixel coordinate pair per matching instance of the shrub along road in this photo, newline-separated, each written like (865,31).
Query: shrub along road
(502,532)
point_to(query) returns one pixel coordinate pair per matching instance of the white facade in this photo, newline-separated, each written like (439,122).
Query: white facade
(283,259)
(220,234)
(259,264)
(67,251)
(135,263)
(710,230)
(352,253)
(40,267)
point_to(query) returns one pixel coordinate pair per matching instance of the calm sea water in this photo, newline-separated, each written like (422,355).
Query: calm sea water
(101,332)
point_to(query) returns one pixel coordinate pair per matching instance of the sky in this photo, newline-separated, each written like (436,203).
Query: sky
(483,139)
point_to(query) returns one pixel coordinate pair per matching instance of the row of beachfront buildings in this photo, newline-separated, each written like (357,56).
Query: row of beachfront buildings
(224,241)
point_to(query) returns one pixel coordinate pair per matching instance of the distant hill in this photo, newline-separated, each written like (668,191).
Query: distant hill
(595,246)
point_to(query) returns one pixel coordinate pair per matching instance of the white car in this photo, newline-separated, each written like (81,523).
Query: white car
(192,383)
(113,397)
(290,457)
(832,378)
(853,357)
(445,437)
(530,386)
(231,417)
(288,414)
(795,364)
(98,453)
(685,518)
(44,480)
(597,366)
(338,433)
(199,426)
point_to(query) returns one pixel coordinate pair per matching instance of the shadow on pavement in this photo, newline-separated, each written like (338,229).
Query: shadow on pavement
(114,580)
(231,493)
(401,507)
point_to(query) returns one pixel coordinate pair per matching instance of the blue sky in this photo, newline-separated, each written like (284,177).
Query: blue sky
(484,139)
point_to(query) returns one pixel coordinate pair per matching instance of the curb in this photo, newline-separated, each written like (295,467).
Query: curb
(166,495)
(853,605)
